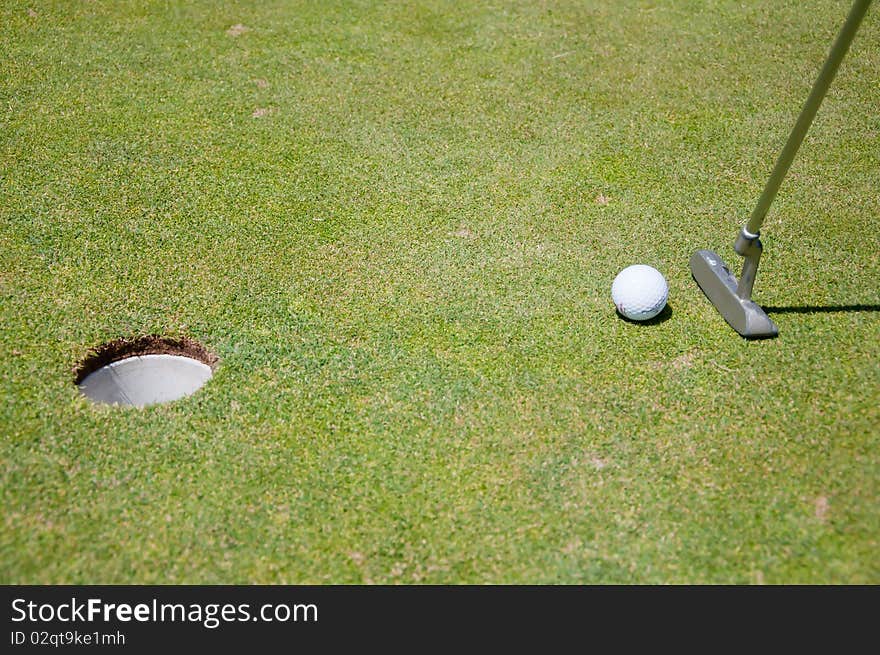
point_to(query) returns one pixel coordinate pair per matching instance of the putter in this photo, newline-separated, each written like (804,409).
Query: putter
(732,298)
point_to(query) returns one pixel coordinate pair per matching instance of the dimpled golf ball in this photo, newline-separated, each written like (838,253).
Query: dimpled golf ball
(639,292)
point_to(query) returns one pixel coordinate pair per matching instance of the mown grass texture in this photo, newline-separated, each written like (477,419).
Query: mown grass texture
(396,224)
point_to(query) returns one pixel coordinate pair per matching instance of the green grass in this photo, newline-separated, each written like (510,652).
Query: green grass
(403,267)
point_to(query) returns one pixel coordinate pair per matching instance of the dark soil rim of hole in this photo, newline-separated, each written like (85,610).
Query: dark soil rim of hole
(151,344)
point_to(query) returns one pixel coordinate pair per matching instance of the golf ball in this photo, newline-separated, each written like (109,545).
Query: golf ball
(639,292)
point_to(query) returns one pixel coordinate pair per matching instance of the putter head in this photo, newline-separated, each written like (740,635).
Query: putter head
(719,285)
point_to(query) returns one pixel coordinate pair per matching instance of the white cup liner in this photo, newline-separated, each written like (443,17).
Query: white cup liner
(144,380)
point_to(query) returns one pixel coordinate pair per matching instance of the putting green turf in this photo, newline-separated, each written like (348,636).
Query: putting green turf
(397,225)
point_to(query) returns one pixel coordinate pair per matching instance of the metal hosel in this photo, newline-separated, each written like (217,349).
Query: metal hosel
(750,247)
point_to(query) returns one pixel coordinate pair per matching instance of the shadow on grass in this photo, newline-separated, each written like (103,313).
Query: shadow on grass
(662,317)
(821,309)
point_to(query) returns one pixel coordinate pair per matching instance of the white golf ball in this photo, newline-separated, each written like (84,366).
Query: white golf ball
(639,292)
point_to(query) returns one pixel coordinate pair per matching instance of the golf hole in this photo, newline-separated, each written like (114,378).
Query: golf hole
(144,371)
